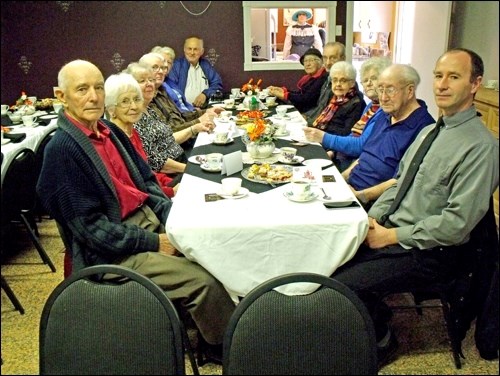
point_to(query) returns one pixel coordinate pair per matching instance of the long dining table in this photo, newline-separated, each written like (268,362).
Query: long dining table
(34,135)
(246,241)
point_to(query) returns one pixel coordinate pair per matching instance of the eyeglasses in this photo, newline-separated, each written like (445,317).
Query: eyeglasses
(156,68)
(342,81)
(127,102)
(389,91)
(372,79)
(306,61)
(146,81)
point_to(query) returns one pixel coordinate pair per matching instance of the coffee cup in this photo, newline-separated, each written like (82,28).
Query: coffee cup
(288,154)
(229,102)
(235,92)
(5,109)
(301,189)
(214,160)
(270,101)
(57,106)
(221,137)
(281,111)
(231,186)
(28,120)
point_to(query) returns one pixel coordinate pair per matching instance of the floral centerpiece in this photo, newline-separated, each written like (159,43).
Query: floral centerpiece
(24,104)
(251,87)
(259,138)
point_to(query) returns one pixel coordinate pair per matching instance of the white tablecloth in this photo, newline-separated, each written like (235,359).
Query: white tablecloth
(244,242)
(33,138)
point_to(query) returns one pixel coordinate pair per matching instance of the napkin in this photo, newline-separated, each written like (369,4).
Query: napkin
(232,163)
(15,137)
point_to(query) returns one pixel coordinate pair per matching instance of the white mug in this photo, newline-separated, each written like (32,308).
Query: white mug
(235,91)
(221,137)
(231,186)
(5,109)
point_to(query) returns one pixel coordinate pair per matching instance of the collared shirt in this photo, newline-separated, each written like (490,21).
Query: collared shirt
(129,197)
(452,188)
(385,147)
(196,82)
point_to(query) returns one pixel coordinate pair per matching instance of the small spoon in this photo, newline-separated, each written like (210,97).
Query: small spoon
(325,196)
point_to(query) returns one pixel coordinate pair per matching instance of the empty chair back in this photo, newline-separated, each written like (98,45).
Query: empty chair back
(90,325)
(327,332)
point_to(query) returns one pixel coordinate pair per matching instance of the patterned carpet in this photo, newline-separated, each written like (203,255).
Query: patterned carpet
(423,341)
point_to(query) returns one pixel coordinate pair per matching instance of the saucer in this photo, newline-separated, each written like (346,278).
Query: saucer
(49,116)
(205,167)
(5,141)
(197,159)
(291,197)
(228,141)
(230,107)
(284,134)
(317,162)
(296,160)
(241,193)
(277,117)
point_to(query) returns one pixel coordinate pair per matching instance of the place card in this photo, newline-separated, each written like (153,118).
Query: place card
(232,163)
(328,179)
(212,197)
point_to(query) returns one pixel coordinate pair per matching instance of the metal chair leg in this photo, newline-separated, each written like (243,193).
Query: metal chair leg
(13,298)
(45,257)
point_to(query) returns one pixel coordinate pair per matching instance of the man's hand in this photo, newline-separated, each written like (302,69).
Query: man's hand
(200,100)
(166,247)
(378,236)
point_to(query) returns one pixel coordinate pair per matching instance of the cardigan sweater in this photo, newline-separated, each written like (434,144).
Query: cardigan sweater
(77,191)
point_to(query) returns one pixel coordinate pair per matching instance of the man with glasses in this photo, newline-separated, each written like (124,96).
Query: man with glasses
(194,75)
(405,116)
(333,52)
(309,85)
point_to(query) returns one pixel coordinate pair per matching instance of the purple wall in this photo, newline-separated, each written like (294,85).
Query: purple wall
(39,37)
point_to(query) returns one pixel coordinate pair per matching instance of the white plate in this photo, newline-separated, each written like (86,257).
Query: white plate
(241,193)
(296,160)
(206,168)
(286,117)
(49,116)
(317,162)
(290,196)
(287,106)
(40,113)
(228,141)
(5,141)
(197,159)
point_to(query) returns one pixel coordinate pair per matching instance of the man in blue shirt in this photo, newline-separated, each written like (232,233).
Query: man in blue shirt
(194,75)
(404,117)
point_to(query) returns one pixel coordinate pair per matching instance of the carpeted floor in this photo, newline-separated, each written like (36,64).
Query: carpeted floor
(423,349)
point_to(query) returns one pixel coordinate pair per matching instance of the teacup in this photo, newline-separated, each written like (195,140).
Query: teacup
(214,160)
(270,101)
(28,120)
(5,109)
(229,102)
(301,189)
(32,100)
(221,137)
(15,117)
(288,154)
(57,106)
(231,186)
(235,92)
(281,111)
(280,126)
(265,92)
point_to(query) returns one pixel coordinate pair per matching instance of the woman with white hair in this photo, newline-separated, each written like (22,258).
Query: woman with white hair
(347,104)
(124,103)
(301,36)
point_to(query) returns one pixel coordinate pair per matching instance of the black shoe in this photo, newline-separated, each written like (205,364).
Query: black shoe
(213,354)
(386,354)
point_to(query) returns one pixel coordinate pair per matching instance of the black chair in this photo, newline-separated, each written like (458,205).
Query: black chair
(19,196)
(464,299)
(326,332)
(121,326)
(13,298)
(39,211)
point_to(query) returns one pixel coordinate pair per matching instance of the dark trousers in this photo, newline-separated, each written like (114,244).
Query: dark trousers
(374,273)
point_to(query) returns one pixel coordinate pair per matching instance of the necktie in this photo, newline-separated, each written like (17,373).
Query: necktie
(413,168)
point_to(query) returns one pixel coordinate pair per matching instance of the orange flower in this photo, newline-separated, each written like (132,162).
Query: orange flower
(260,131)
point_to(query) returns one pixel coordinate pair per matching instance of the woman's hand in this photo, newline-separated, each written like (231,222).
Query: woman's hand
(206,126)
(278,92)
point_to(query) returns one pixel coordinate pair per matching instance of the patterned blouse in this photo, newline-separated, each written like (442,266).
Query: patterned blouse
(158,140)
